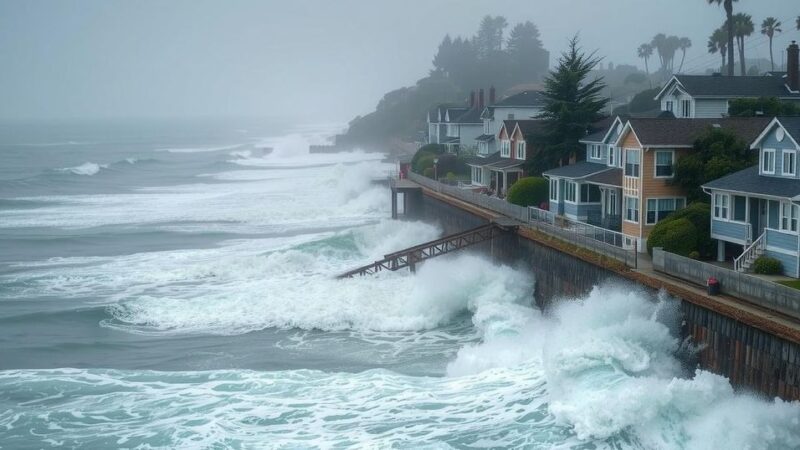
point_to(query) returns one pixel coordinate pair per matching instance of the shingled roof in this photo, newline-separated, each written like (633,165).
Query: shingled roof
(471,116)
(524,98)
(580,169)
(684,132)
(749,181)
(719,86)
(792,126)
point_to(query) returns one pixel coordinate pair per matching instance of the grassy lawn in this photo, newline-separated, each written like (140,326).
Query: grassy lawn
(795,284)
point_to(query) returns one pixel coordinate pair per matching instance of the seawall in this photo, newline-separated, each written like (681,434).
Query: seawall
(752,358)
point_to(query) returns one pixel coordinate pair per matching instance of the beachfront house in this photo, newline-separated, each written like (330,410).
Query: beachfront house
(437,122)
(756,211)
(524,105)
(637,185)
(500,170)
(708,96)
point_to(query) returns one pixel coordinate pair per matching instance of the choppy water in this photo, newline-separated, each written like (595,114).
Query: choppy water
(170,285)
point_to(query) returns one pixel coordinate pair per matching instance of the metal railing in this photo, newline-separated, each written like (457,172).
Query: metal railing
(752,252)
(599,240)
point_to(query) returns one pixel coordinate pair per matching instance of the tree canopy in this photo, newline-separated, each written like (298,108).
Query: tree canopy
(572,104)
(764,106)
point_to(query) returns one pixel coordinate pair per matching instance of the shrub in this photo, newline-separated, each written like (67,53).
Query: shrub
(694,255)
(424,162)
(528,191)
(767,266)
(428,172)
(450,176)
(699,214)
(677,236)
(452,163)
(426,150)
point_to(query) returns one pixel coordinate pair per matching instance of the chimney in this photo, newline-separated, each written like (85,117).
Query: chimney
(472,99)
(793,67)
(492,94)
(480,99)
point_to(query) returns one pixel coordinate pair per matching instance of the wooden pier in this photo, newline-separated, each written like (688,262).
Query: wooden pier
(411,256)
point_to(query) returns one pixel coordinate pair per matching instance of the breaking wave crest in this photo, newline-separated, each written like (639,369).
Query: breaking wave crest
(88,169)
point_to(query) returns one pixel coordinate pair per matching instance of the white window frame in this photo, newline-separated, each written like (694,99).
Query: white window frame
(686,108)
(655,163)
(669,106)
(789,217)
(657,199)
(721,208)
(638,164)
(594,151)
(521,149)
(626,209)
(763,158)
(505,148)
(571,187)
(610,161)
(793,154)
(554,189)
(611,206)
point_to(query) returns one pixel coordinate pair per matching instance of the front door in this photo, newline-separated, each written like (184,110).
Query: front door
(763,217)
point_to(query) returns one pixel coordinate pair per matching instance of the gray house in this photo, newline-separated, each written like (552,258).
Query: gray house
(708,96)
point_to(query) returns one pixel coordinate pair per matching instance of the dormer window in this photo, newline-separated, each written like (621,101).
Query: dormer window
(669,106)
(768,161)
(520,150)
(505,148)
(611,152)
(686,108)
(789,166)
(595,151)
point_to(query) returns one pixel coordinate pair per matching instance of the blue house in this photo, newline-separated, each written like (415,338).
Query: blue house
(759,208)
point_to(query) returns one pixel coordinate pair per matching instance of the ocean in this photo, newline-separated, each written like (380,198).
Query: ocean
(171,284)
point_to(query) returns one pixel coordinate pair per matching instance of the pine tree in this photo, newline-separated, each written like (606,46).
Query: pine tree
(572,104)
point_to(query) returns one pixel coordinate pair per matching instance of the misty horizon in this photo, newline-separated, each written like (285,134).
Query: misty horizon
(313,61)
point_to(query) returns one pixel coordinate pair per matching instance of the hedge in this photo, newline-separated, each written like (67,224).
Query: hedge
(699,215)
(426,150)
(767,266)
(424,162)
(528,191)
(677,236)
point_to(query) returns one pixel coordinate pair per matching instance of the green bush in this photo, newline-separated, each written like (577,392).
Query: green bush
(694,255)
(677,236)
(452,163)
(423,163)
(450,176)
(767,266)
(699,215)
(426,150)
(428,172)
(528,191)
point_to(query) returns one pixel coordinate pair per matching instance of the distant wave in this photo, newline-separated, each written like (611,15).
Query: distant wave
(87,168)
(198,149)
(48,144)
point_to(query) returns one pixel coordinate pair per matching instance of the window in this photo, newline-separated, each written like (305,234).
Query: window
(669,106)
(632,209)
(521,150)
(659,208)
(485,126)
(554,189)
(789,216)
(632,163)
(768,161)
(505,148)
(477,175)
(664,163)
(789,162)
(686,108)
(590,193)
(569,191)
(739,208)
(611,155)
(594,151)
(611,206)
(721,206)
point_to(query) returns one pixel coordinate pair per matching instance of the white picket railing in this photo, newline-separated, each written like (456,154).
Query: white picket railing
(752,252)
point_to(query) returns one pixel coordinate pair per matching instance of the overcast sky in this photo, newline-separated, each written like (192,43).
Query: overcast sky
(314,60)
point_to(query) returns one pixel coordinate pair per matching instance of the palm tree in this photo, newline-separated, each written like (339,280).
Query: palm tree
(718,42)
(742,27)
(684,44)
(728,5)
(672,45)
(769,27)
(798,22)
(659,44)
(645,51)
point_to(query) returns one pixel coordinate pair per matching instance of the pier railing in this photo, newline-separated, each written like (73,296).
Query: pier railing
(599,240)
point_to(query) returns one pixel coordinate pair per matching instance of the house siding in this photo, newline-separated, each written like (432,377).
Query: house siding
(789,262)
(729,231)
(653,187)
(771,142)
(467,135)
(783,241)
(708,108)
(570,210)
(628,228)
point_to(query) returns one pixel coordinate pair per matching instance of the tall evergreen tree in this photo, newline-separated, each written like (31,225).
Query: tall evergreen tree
(572,104)
(490,35)
(526,52)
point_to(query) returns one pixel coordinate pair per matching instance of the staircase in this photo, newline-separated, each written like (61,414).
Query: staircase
(750,254)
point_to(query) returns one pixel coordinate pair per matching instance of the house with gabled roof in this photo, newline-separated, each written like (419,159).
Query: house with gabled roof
(500,170)
(437,121)
(708,96)
(523,105)
(757,210)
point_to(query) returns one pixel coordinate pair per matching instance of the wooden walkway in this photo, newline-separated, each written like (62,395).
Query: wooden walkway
(411,256)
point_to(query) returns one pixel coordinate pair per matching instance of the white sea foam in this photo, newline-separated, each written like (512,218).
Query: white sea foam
(199,149)
(88,168)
